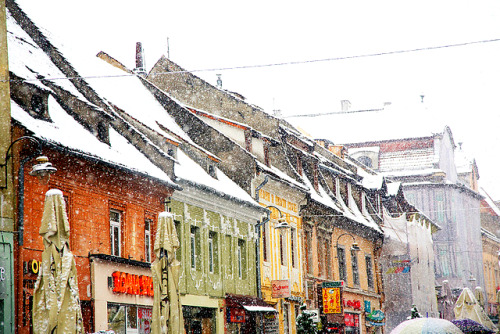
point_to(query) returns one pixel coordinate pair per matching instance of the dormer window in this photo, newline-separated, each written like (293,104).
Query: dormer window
(266,155)
(38,105)
(366,161)
(316,175)
(212,172)
(300,169)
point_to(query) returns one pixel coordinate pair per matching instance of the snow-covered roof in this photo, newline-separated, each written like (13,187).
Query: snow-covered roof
(410,159)
(189,170)
(28,61)
(490,201)
(397,121)
(65,131)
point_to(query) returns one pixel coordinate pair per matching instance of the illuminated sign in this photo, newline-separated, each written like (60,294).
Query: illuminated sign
(132,284)
(332,301)
(280,288)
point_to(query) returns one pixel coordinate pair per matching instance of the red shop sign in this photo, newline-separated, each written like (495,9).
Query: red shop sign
(236,315)
(355,304)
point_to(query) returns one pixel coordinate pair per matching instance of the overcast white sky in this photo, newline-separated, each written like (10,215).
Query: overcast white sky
(461,84)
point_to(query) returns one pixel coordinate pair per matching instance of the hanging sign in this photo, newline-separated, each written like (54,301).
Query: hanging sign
(332,301)
(280,288)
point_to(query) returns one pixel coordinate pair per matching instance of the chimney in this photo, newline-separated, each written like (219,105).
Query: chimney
(345,105)
(140,67)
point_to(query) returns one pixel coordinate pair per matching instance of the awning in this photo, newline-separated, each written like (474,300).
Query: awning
(249,303)
(251,308)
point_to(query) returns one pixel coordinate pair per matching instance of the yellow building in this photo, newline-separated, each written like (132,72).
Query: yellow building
(281,254)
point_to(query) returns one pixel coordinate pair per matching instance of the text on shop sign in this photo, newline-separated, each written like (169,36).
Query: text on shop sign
(132,284)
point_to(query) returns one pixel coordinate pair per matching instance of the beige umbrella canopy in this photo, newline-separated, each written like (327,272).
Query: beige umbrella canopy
(467,307)
(56,301)
(167,309)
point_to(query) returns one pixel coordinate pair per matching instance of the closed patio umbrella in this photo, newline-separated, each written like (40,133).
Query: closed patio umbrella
(167,309)
(56,301)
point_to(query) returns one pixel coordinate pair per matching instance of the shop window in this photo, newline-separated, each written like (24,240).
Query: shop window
(242,259)
(369,271)
(128,318)
(355,269)
(148,222)
(195,248)
(115,222)
(342,264)
(213,253)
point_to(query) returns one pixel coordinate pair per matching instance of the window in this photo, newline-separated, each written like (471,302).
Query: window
(195,247)
(283,253)
(177,225)
(355,271)
(264,243)
(229,248)
(128,318)
(293,245)
(300,170)
(148,222)
(342,266)
(365,161)
(266,155)
(308,251)
(241,259)
(115,221)
(369,271)
(213,254)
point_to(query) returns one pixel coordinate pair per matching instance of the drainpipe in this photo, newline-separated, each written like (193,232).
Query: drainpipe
(266,179)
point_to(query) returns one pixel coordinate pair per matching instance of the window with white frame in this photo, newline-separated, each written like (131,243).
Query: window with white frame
(115,222)
(241,259)
(148,222)
(195,247)
(213,256)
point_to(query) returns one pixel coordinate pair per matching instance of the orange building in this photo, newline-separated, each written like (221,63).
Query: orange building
(97,196)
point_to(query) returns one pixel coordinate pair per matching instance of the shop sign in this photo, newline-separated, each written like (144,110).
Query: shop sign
(376,315)
(351,320)
(280,288)
(368,306)
(32,267)
(332,300)
(355,304)
(236,314)
(334,284)
(132,284)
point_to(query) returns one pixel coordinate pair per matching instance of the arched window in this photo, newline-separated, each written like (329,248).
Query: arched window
(365,161)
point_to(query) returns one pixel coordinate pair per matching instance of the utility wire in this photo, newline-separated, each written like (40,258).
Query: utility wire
(368,55)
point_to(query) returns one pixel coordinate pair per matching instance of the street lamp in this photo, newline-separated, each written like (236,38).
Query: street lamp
(282,224)
(354,247)
(41,170)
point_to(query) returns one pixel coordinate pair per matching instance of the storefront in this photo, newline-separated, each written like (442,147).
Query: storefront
(245,314)
(122,293)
